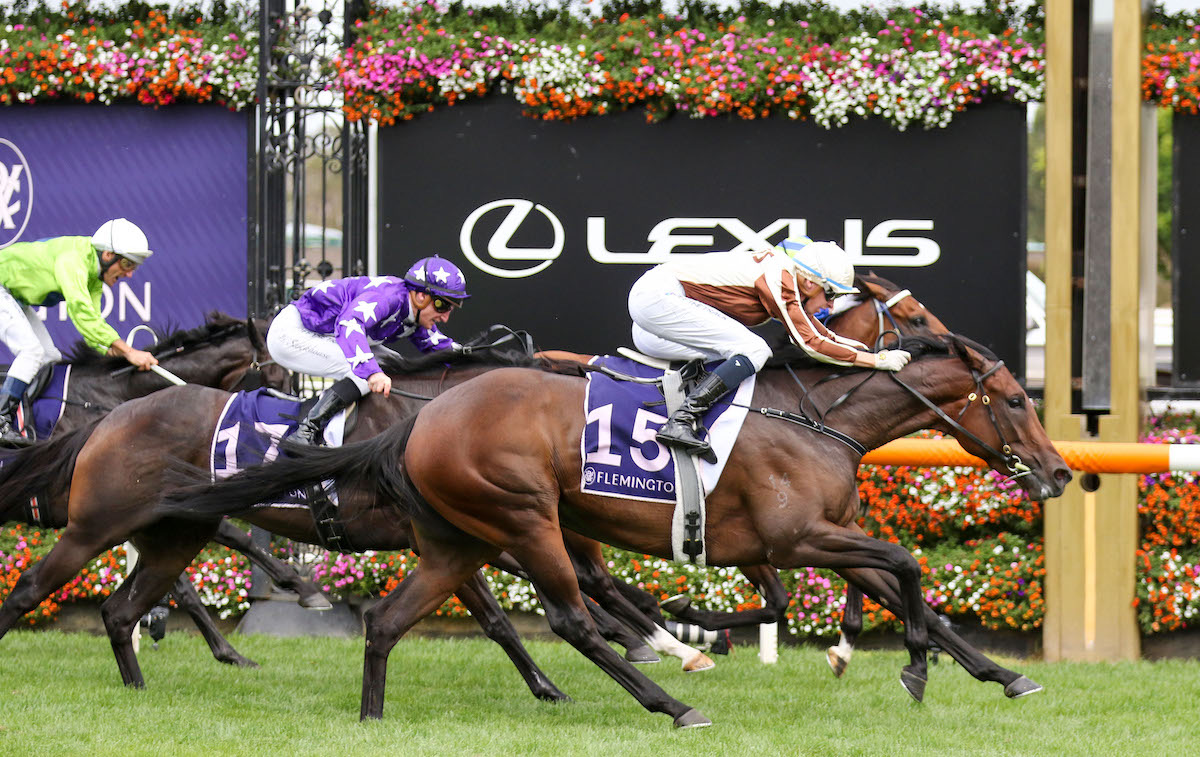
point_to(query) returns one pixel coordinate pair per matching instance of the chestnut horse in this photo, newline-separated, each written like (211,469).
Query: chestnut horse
(493,465)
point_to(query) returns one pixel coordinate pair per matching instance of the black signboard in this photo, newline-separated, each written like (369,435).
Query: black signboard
(552,222)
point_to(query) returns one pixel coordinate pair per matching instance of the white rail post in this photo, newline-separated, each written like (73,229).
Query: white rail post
(768,642)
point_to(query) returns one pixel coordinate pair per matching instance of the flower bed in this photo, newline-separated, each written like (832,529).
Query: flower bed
(909,65)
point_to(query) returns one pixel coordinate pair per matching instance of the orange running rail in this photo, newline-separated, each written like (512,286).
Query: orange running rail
(1090,457)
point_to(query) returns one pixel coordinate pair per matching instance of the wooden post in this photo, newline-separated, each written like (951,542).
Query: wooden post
(1091,537)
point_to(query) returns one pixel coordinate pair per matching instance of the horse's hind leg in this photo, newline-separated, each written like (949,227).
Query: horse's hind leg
(486,610)
(189,601)
(164,550)
(883,588)
(310,596)
(64,561)
(438,575)
(610,628)
(549,566)
(596,582)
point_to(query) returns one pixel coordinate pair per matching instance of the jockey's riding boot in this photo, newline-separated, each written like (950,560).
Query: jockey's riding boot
(9,436)
(681,429)
(333,400)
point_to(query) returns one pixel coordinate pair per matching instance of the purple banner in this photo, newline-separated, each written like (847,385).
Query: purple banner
(177,172)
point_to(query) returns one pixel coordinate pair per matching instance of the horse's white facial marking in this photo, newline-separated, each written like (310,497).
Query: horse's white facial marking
(780,487)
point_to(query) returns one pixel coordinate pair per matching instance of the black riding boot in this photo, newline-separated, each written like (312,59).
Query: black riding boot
(9,437)
(336,398)
(681,429)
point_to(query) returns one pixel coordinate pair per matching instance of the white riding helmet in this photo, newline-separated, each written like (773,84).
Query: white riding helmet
(822,262)
(124,238)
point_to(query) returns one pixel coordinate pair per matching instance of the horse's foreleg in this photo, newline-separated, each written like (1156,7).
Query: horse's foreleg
(486,611)
(770,587)
(839,655)
(883,588)
(189,601)
(284,575)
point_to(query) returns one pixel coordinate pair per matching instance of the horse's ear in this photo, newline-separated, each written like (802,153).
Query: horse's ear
(872,287)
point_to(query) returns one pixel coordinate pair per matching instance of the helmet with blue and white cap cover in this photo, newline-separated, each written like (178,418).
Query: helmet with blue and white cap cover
(824,263)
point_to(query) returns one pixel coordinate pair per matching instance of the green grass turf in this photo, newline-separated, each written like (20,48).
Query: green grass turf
(61,694)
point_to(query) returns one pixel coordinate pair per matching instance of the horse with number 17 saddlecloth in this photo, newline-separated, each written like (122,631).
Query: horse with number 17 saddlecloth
(493,465)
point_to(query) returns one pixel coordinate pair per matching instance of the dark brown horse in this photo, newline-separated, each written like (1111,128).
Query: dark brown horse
(103,504)
(225,352)
(493,465)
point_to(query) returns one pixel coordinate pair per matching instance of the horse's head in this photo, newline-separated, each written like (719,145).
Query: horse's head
(269,373)
(991,417)
(883,313)
(226,353)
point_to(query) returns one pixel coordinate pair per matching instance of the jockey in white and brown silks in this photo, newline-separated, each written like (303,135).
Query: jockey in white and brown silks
(701,307)
(330,329)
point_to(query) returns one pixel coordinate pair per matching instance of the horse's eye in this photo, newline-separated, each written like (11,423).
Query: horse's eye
(919,320)
(1017,402)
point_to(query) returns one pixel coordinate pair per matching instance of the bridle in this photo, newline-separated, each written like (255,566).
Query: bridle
(884,309)
(1012,461)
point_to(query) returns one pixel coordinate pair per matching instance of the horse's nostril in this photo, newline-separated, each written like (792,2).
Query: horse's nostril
(1063,476)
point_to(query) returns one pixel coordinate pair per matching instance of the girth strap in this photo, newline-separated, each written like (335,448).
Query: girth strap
(687,522)
(331,530)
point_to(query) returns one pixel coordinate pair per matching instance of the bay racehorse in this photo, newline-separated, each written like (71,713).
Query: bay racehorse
(224,352)
(494,465)
(880,316)
(885,308)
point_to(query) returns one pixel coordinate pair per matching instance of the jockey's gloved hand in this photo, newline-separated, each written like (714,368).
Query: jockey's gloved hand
(891,360)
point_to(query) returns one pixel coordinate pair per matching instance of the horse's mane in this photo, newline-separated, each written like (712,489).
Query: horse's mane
(217,327)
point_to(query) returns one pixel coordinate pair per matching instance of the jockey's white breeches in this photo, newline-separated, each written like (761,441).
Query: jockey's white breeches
(26,337)
(296,348)
(668,324)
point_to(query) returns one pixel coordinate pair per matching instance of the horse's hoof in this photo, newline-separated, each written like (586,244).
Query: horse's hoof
(700,662)
(676,604)
(316,601)
(241,662)
(641,655)
(913,684)
(1021,687)
(837,663)
(692,719)
(554,697)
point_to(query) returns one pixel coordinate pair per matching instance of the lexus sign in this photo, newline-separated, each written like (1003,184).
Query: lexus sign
(552,222)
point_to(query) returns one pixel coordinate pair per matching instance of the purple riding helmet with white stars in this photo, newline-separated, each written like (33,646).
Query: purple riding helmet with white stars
(438,276)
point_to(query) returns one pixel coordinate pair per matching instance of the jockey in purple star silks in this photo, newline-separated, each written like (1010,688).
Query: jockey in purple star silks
(330,329)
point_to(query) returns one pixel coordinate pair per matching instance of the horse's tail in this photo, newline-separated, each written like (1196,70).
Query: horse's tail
(373,465)
(43,469)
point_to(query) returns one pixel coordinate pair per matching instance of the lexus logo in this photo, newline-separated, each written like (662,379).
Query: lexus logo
(16,193)
(498,248)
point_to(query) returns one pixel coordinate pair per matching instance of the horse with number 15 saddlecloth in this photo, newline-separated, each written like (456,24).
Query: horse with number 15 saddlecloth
(493,465)
(104,509)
